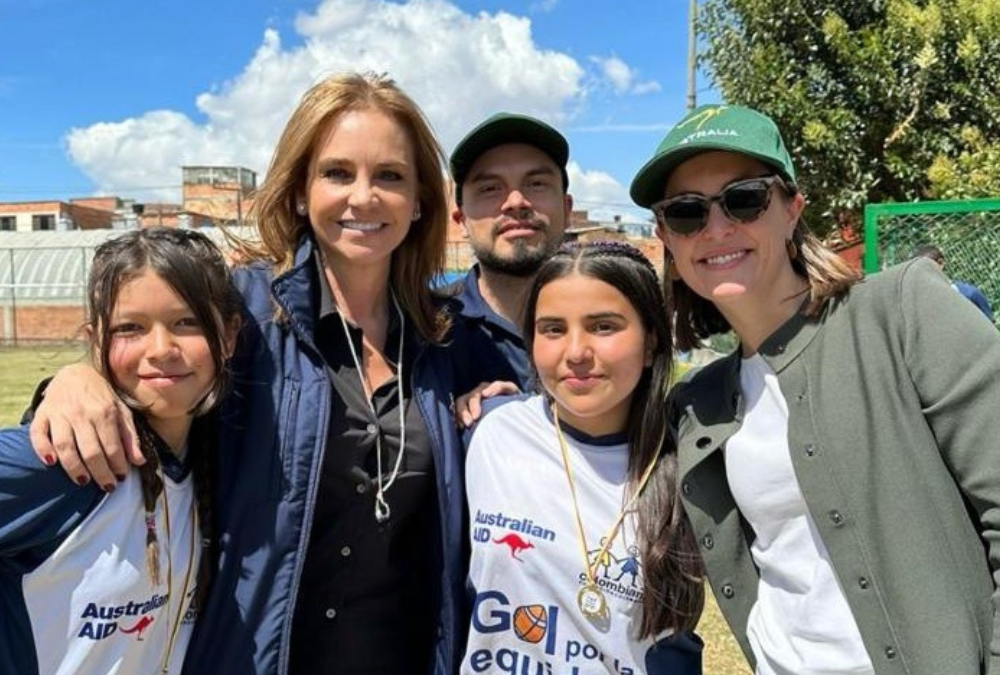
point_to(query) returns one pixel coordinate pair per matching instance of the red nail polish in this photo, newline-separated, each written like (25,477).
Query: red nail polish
(49,460)
(121,478)
(82,480)
(109,488)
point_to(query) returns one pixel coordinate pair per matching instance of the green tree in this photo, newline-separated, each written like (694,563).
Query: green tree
(887,100)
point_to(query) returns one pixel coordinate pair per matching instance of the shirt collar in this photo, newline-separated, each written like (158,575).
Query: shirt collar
(327,305)
(474,306)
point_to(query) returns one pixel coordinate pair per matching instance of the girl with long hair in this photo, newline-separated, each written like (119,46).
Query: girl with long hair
(93,582)
(582,560)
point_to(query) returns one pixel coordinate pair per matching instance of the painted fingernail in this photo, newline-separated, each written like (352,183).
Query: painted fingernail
(49,460)
(108,487)
(120,477)
(82,480)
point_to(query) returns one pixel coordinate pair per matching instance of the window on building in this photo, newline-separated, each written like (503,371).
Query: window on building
(43,222)
(8,223)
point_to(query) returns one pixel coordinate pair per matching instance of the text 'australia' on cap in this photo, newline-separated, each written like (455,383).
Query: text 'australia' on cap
(729,128)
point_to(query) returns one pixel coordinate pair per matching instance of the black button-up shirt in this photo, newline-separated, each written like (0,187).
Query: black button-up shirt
(366,602)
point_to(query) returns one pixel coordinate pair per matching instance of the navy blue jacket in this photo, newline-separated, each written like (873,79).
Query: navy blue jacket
(273,437)
(495,344)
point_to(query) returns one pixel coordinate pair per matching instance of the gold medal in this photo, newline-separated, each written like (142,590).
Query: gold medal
(591,602)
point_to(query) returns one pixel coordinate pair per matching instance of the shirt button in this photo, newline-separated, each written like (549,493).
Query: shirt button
(836,518)
(707,541)
(863,583)
(890,653)
(703,442)
(686,487)
(810,449)
(331,613)
(727,590)
(361,488)
(371,428)
(345,551)
(780,349)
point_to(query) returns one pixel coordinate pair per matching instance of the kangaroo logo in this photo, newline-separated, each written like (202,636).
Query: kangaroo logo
(516,545)
(140,627)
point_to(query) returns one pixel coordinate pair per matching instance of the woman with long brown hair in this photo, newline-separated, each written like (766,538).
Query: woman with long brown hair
(841,468)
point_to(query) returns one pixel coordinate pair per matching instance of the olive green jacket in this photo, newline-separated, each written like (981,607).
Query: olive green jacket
(893,395)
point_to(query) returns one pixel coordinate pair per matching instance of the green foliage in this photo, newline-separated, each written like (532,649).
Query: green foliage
(888,100)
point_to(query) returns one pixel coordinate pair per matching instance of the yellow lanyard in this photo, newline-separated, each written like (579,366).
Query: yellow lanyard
(590,598)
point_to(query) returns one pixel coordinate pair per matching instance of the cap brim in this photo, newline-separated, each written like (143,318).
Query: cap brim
(507,130)
(649,183)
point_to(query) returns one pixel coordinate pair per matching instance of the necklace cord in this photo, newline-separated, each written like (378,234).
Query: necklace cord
(591,568)
(382,511)
(175,628)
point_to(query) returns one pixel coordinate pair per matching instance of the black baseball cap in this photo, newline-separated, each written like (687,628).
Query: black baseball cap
(503,128)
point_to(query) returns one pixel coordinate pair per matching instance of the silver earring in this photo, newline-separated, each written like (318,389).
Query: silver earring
(416,214)
(300,208)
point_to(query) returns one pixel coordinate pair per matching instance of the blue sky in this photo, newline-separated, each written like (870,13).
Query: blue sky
(114,96)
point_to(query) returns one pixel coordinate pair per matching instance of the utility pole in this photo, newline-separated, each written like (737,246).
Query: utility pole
(692,96)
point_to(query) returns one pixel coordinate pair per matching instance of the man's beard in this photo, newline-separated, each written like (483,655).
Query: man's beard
(523,262)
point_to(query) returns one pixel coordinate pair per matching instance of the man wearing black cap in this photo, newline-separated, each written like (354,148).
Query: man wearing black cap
(512,201)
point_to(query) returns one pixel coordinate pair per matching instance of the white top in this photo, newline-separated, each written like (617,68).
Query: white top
(801,623)
(92,605)
(527,563)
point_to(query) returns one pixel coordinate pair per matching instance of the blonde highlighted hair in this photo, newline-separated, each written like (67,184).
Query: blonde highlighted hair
(421,256)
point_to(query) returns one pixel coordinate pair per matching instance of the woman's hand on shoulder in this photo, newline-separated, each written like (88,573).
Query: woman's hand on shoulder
(81,424)
(469,406)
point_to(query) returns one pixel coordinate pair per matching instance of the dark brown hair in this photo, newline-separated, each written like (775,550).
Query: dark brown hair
(192,266)
(673,580)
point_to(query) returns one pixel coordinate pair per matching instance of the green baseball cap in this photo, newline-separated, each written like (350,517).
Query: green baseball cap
(731,128)
(503,128)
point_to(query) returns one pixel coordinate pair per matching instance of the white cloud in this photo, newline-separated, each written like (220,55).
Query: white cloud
(543,6)
(458,66)
(621,77)
(601,195)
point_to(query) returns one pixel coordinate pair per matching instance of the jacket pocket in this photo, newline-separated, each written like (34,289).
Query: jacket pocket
(288,432)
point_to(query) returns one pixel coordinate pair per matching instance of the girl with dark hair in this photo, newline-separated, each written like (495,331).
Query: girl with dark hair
(840,469)
(582,560)
(94,582)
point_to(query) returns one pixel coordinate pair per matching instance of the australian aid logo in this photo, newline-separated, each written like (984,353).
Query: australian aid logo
(516,534)
(101,621)
(525,640)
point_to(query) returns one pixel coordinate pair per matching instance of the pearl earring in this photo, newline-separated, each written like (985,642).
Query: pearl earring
(416,214)
(300,208)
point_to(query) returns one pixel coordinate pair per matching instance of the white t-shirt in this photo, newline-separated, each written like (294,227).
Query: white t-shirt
(85,596)
(527,561)
(801,623)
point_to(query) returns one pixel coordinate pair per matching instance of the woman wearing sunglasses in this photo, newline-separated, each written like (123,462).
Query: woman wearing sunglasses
(841,469)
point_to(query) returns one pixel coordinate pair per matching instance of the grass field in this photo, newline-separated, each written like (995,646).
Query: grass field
(21,368)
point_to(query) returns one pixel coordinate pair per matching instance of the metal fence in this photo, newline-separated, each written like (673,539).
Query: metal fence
(967,232)
(42,286)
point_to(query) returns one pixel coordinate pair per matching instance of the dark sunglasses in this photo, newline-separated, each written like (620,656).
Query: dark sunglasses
(742,200)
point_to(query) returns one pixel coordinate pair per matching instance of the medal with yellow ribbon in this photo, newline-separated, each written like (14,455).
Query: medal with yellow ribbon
(589,598)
